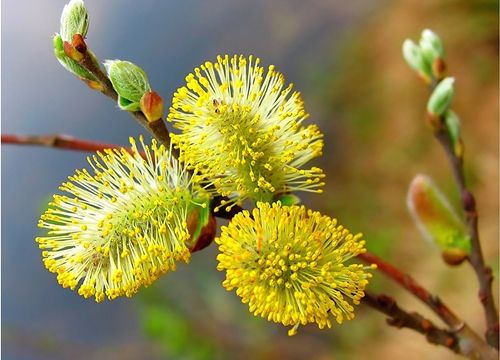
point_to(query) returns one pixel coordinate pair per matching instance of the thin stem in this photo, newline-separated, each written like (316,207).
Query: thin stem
(403,319)
(476,259)
(410,284)
(470,343)
(156,128)
(461,341)
(483,273)
(56,141)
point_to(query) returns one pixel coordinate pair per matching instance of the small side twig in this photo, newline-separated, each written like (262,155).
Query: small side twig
(462,341)
(470,342)
(156,128)
(401,319)
(410,284)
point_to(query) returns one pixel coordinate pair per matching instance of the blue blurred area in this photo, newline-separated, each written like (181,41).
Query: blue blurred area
(40,320)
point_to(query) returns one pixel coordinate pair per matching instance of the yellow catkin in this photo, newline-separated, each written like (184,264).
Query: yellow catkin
(121,227)
(243,127)
(289,265)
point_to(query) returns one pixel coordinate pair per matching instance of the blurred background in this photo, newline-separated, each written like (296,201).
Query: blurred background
(345,58)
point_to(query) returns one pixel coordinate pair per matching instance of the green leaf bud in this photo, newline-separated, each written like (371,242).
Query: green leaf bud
(440,100)
(74,20)
(436,218)
(129,81)
(128,105)
(414,57)
(431,46)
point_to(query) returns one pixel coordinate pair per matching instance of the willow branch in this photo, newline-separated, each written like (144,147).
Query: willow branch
(401,319)
(483,272)
(455,324)
(156,128)
(461,341)
(411,285)
(57,141)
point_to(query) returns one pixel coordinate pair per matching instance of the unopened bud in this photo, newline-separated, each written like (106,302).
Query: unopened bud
(74,20)
(129,81)
(440,100)
(454,256)
(152,105)
(415,59)
(202,227)
(431,45)
(436,218)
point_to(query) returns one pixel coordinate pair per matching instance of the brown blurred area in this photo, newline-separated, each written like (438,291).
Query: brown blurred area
(380,141)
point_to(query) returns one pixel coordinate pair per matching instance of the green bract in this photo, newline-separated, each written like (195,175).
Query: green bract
(453,125)
(69,64)
(129,81)
(202,212)
(288,199)
(452,122)
(74,20)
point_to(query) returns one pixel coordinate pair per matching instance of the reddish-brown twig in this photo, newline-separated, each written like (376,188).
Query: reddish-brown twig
(56,141)
(407,282)
(403,319)
(469,344)
(66,142)
(463,341)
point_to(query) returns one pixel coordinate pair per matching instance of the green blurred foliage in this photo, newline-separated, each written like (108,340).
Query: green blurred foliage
(175,335)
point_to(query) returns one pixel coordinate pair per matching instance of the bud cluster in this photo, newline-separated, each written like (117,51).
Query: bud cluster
(427,59)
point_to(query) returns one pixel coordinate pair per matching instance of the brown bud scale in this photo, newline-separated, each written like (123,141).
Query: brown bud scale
(79,43)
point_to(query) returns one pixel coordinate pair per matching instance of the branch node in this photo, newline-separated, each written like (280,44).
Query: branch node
(468,201)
